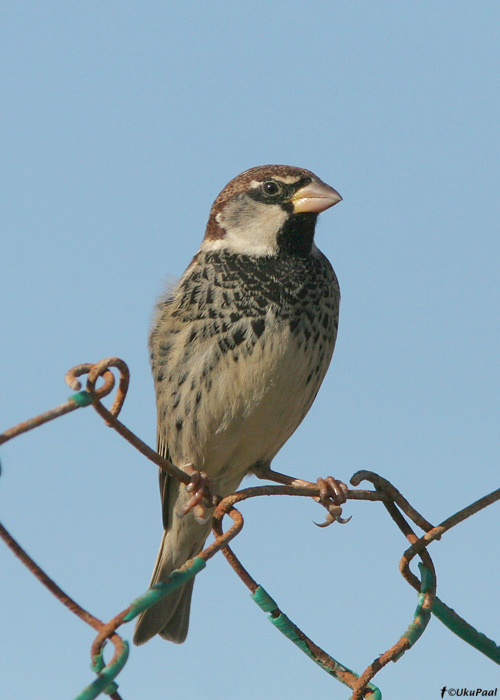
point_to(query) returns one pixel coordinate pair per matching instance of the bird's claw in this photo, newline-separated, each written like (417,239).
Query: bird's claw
(333,517)
(332,494)
(203,495)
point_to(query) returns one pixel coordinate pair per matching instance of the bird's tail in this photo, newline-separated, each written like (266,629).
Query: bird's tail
(170,616)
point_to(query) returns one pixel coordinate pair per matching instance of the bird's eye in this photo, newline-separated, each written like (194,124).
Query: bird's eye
(271,188)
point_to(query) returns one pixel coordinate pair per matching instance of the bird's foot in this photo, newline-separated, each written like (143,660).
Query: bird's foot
(203,496)
(332,494)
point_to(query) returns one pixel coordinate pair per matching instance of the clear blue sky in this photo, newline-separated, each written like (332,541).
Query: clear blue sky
(121,122)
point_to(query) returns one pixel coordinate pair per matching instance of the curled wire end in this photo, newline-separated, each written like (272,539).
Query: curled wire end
(71,379)
(101,370)
(71,376)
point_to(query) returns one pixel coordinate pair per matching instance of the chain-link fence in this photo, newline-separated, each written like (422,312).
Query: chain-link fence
(400,510)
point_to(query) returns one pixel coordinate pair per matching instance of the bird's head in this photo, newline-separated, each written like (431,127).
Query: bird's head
(268,209)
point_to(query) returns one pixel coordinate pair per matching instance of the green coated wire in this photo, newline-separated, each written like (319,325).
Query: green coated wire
(290,630)
(160,590)
(456,624)
(104,683)
(421,617)
(462,629)
(81,398)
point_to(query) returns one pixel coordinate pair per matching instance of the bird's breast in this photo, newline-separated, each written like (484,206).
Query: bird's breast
(235,375)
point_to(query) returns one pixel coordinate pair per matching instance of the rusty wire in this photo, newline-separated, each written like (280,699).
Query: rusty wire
(396,504)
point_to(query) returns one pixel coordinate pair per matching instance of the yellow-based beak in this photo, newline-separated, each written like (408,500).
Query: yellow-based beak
(315,197)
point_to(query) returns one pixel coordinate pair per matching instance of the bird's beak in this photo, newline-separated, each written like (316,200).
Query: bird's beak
(315,197)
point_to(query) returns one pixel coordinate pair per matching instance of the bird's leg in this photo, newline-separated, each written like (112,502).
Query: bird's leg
(332,492)
(201,488)
(262,471)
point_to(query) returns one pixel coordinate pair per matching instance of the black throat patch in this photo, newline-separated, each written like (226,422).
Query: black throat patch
(297,234)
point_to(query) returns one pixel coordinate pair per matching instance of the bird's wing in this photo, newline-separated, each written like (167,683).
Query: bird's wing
(169,486)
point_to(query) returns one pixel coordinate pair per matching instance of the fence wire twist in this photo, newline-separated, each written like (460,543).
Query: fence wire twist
(395,503)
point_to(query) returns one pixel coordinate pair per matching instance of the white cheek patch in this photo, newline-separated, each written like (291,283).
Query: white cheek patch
(251,227)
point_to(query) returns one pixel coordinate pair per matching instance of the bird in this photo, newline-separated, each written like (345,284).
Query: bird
(238,349)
